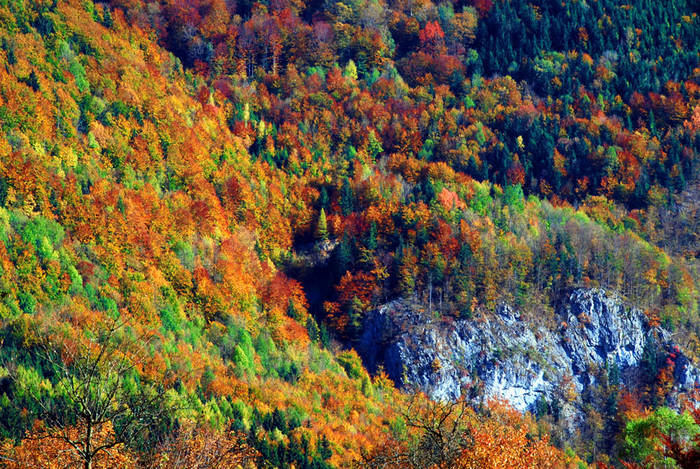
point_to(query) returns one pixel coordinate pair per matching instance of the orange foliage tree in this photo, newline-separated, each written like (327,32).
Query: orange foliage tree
(42,448)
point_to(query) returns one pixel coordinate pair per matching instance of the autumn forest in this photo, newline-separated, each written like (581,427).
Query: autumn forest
(201,202)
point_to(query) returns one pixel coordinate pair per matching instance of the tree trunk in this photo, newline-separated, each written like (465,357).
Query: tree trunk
(88,448)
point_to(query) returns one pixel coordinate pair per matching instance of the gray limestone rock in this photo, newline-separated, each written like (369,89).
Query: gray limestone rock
(502,356)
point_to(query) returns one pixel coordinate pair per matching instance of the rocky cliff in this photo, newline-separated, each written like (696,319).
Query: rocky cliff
(525,362)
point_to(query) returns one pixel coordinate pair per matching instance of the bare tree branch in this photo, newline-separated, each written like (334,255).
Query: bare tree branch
(91,396)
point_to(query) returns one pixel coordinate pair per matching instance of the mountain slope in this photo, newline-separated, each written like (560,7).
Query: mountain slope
(219,193)
(125,197)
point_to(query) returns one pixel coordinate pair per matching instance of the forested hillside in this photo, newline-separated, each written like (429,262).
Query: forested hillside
(201,201)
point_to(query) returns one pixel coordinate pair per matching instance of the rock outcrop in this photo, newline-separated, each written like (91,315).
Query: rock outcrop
(524,362)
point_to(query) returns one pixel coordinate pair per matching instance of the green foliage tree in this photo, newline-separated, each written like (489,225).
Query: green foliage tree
(322,226)
(350,70)
(642,436)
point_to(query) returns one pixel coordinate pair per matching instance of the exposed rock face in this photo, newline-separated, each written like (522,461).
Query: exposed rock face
(519,361)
